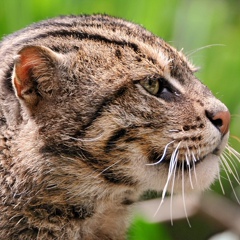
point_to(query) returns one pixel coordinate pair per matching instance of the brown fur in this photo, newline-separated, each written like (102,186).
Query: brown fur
(78,129)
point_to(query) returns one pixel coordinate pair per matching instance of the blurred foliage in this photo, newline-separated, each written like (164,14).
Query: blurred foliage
(208,31)
(141,230)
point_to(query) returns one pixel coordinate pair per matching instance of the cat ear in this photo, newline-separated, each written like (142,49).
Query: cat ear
(34,72)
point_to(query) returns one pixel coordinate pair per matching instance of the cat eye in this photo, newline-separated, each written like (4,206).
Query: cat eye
(159,87)
(156,86)
(151,85)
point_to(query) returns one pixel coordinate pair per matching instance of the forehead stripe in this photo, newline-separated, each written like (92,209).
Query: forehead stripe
(175,83)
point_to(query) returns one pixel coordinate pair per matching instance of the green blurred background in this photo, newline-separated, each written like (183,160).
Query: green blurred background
(189,24)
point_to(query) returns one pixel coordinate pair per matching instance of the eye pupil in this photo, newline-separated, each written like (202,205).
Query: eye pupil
(151,85)
(151,82)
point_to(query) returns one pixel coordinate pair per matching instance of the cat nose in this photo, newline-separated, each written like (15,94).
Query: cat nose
(221,120)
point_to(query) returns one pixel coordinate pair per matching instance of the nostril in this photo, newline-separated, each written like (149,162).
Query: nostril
(217,122)
(221,120)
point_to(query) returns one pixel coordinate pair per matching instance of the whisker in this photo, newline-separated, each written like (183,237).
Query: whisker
(108,168)
(171,199)
(174,130)
(173,162)
(229,161)
(201,48)
(194,167)
(222,177)
(230,182)
(87,139)
(189,171)
(95,171)
(230,158)
(188,151)
(199,153)
(228,168)
(220,182)
(235,153)
(183,194)
(163,156)
(226,164)
(232,136)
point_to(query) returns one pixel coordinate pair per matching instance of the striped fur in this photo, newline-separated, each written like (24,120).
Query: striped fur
(78,130)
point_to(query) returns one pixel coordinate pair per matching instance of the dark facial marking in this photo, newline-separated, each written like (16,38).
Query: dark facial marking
(132,139)
(53,212)
(127,201)
(116,136)
(201,103)
(139,59)
(118,53)
(198,119)
(186,128)
(153,156)
(118,177)
(75,152)
(98,165)
(100,108)
(150,59)
(81,212)
(63,33)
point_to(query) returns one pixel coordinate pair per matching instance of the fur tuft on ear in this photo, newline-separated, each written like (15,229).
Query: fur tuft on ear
(33,75)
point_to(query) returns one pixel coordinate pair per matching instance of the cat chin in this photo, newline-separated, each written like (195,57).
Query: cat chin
(206,172)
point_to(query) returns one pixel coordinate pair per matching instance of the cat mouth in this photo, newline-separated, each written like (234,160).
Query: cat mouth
(188,160)
(190,164)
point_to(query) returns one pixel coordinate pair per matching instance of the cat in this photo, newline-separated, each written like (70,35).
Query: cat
(96,110)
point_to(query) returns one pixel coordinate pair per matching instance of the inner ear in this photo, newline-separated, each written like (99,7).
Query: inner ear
(34,69)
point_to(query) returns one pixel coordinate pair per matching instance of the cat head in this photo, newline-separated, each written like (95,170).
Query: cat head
(128,108)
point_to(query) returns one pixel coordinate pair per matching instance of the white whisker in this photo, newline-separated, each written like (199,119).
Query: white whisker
(226,164)
(230,182)
(230,158)
(87,139)
(222,177)
(194,167)
(187,160)
(220,182)
(173,162)
(233,152)
(174,130)
(163,156)
(183,194)
(199,153)
(228,168)
(108,168)
(229,162)
(188,152)
(171,200)
(201,48)
(189,170)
